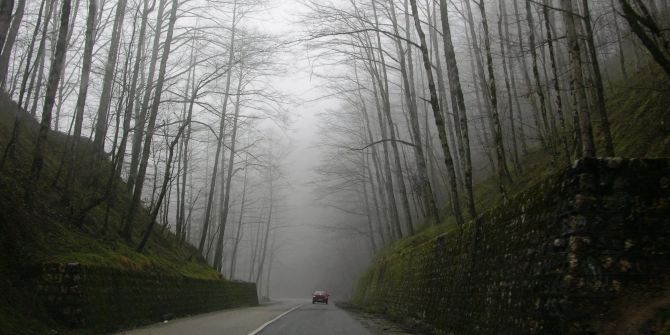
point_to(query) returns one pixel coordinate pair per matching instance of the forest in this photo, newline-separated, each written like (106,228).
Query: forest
(137,120)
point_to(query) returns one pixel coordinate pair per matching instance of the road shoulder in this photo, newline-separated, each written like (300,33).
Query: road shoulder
(378,324)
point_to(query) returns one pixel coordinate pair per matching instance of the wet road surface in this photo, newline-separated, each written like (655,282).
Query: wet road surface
(319,319)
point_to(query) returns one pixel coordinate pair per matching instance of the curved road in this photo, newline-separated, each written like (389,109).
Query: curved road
(311,319)
(293,317)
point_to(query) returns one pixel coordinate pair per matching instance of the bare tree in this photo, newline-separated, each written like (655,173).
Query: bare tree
(218,256)
(503,172)
(11,144)
(110,67)
(601,108)
(644,26)
(139,183)
(54,77)
(6,8)
(144,107)
(219,144)
(83,92)
(166,180)
(10,40)
(439,120)
(579,99)
(459,105)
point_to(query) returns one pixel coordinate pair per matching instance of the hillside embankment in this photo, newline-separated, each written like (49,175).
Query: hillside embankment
(64,266)
(581,249)
(564,257)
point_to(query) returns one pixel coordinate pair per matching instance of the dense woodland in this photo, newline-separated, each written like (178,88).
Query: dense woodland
(174,98)
(438,96)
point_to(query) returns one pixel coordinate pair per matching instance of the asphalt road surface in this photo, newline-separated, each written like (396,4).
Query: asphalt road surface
(238,321)
(293,317)
(311,319)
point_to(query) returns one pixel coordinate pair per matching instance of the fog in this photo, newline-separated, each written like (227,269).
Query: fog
(309,134)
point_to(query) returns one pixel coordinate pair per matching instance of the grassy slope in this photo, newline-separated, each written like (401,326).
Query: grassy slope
(45,234)
(639,112)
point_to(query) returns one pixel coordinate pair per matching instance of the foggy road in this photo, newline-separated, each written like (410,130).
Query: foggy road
(315,319)
(239,321)
(293,317)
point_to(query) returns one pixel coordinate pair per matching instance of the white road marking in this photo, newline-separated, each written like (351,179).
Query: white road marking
(259,329)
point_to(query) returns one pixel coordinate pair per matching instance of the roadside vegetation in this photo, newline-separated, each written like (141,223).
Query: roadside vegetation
(50,231)
(639,120)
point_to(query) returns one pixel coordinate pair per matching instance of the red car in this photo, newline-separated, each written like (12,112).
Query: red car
(320,296)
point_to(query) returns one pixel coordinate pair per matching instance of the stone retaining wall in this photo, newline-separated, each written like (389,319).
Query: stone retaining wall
(107,299)
(551,261)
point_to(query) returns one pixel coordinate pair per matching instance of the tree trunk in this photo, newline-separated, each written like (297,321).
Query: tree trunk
(164,187)
(375,201)
(637,23)
(366,201)
(267,279)
(375,158)
(38,70)
(503,171)
(263,250)
(219,144)
(579,99)
(254,249)
(132,94)
(439,121)
(510,104)
(107,81)
(10,148)
(450,117)
(83,92)
(484,138)
(238,234)
(514,92)
(379,84)
(63,89)
(526,77)
(536,73)
(141,120)
(384,89)
(426,188)
(619,40)
(563,135)
(54,77)
(10,40)
(459,106)
(218,256)
(139,183)
(597,77)
(185,147)
(6,9)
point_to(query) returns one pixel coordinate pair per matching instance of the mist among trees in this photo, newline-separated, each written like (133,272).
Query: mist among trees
(183,101)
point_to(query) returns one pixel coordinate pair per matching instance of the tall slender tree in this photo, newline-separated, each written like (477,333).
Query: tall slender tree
(146,151)
(54,77)
(8,45)
(439,120)
(107,81)
(577,87)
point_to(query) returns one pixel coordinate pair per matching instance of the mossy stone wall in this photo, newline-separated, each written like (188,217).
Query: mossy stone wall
(107,299)
(551,261)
